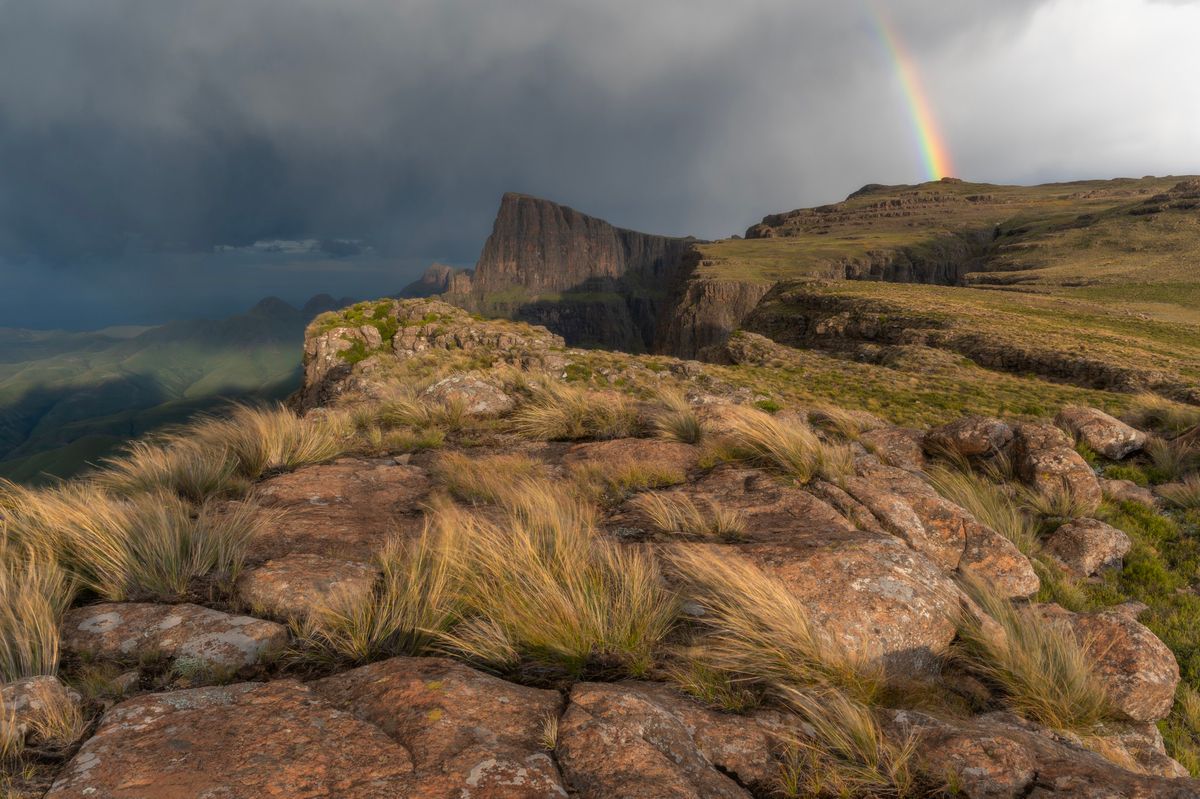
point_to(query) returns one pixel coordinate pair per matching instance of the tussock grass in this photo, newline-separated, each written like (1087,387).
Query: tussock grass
(677,420)
(267,439)
(848,755)
(840,421)
(34,593)
(1184,494)
(1181,729)
(713,686)
(1171,460)
(150,544)
(415,601)
(988,502)
(1040,668)
(409,410)
(1059,504)
(484,479)
(611,481)
(788,445)
(193,468)
(756,629)
(1152,412)
(560,412)
(680,514)
(545,586)
(54,719)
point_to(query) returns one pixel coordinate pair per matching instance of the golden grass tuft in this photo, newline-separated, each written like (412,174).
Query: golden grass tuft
(1152,412)
(847,754)
(755,628)
(545,586)
(610,481)
(483,479)
(193,468)
(559,412)
(267,439)
(1049,505)
(847,424)
(34,593)
(415,601)
(1171,460)
(1184,494)
(788,445)
(680,514)
(988,502)
(677,419)
(1040,668)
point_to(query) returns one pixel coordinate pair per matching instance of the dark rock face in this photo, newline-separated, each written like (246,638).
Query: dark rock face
(541,246)
(595,284)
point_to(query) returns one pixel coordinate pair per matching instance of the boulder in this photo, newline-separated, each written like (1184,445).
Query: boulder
(1047,461)
(291,586)
(243,741)
(478,397)
(216,641)
(640,741)
(1086,546)
(346,509)
(999,756)
(24,701)
(1127,491)
(1105,434)
(1137,669)
(468,733)
(971,437)
(1144,750)
(902,447)
(873,594)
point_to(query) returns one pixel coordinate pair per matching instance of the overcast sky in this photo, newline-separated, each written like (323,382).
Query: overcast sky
(147,145)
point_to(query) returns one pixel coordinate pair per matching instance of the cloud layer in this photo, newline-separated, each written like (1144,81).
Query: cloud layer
(138,135)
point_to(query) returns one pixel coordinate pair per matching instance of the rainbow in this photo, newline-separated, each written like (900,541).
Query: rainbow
(934,153)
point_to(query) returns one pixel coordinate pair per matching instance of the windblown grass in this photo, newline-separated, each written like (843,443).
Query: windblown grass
(268,439)
(1040,668)
(150,544)
(1171,460)
(845,423)
(559,412)
(1184,494)
(988,502)
(546,587)
(847,755)
(1152,412)
(610,481)
(1051,505)
(756,629)
(192,468)
(677,419)
(680,514)
(415,602)
(483,479)
(34,593)
(788,445)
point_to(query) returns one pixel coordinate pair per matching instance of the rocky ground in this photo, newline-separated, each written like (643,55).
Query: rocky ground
(230,690)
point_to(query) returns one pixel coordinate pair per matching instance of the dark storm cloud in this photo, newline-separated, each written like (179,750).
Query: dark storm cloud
(163,127)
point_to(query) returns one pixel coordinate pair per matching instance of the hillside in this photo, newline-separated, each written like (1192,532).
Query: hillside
(67,399)
(484,563)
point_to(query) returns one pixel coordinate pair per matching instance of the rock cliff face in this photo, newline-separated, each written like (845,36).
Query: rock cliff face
(595,284)
(541,246)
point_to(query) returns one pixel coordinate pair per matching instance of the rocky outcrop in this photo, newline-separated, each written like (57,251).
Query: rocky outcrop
(704,315)
(439,279)
(970,437)
(1046,461)
(1105,434)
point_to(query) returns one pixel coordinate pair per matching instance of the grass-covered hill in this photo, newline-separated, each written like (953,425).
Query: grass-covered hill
(69,399)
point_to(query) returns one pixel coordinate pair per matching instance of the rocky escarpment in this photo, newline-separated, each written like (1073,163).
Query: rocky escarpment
(591,282)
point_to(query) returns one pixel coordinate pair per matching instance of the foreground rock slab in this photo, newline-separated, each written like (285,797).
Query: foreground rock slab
(640,741)
(347,509)
(243,741)
(998,756)
(469,734)
(125,631)
(292,586)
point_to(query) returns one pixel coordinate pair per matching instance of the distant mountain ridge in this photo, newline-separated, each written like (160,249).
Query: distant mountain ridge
(67,398)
